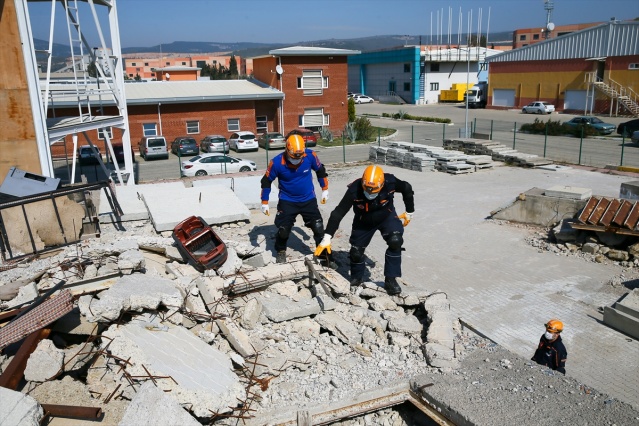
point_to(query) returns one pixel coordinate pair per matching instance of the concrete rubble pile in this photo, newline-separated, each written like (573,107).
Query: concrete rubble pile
(150,338)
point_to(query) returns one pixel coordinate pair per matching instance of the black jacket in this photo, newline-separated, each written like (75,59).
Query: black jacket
(371,212)
(551,354)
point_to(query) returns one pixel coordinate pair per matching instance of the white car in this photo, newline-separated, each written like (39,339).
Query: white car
(363,99)
(243,141)
(215,164)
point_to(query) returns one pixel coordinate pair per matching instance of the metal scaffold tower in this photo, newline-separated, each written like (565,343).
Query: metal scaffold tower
(94,88)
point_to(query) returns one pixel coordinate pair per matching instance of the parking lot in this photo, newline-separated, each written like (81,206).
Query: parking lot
(500,125)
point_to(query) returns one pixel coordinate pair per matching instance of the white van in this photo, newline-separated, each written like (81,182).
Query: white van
(153,147)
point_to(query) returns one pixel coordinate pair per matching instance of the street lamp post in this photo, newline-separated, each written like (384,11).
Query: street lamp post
(467,83)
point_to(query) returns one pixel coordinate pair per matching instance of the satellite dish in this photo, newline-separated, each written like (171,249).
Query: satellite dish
(550,26)
(279,69)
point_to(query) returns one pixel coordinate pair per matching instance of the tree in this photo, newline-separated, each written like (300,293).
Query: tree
(351,110)
(233,67)
(92,70)
(205,71)
(137,77)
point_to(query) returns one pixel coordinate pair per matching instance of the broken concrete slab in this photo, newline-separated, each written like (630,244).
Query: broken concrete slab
(238,339)
(306,328)
(19,409)
(251,313)
(44,363)
(131,202)
(279,308)
(153,407)
(568,192)
(440,356)
(344,330)
(133,293)
(231,265)
(339,285)
(259,260)
(383,303)
(131,261)
(75,323)
(204,375)
(215,207)
(247,188)
(408,324)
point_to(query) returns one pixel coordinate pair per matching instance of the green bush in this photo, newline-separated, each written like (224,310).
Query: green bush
(326,134)
(555,128)
(351,110)
(363,128)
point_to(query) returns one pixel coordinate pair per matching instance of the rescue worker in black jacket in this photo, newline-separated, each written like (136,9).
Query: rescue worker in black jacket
(371,198)
(551,352)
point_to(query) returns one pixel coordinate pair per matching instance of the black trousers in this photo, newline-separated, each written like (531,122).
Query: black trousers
(287,212)
(361,236)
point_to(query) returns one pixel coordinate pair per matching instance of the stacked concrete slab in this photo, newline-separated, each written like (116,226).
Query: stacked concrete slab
(496,150)
(624,314)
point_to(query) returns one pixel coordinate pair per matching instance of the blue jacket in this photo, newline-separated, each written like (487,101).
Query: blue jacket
(294,182)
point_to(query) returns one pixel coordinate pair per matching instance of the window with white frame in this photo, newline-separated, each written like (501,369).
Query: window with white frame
(108,131)
(149,129)
(261,124)
(311,82)
(192,127)
(434,86)
(314,117)
(633,66)
(325,82)
(233,124)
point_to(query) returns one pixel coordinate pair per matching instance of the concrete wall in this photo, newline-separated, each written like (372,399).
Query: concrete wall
(17,133)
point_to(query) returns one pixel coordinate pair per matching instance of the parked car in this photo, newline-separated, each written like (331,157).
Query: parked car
(214,164)
(538,108)
(153,147)
(118,150)
(363,99)
(271,140)
(184,146)
(635,136)
(308,135)
(629,126)
(214,143)
(594,122)
(88,155)
(243,141)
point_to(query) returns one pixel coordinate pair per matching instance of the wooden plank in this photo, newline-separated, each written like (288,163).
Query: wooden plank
(622,213)
(590,206)
(607,217)
(599,210)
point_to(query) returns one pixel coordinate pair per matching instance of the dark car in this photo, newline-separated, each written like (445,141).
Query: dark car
(118,150)
(308,135)
(185,146)
(88,155)
(594,122)
(629,126)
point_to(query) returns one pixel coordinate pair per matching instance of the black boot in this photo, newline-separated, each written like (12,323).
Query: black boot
(392,286)
(356,282)
(281,257)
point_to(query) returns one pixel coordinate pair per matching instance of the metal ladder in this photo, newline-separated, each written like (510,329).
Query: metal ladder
(76,42)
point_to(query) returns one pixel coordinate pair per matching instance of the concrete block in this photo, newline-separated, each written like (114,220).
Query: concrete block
(590,248)
(621,321)
(134,292)
(619,255)
(173,254)
(129,198)
(568,192)
(441,334)
(75,323)
(19,409)
(344,330)
(26,294)
(211,291)
(232,264)
(247,189)
(630,300)
(204,376)
(131,261)
(383,303)
(44,363)
(280,272)
(279,308)
(339,285)
(399,339)
(215,207)
(407,325)
(436,302)
(246,249)
(439,318)
(286,288)
(238,339)
(259,260)
(152,407)
(440,356)
(306,328)
(251,314)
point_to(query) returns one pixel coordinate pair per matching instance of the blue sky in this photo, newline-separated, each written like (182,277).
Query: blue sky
(153,22)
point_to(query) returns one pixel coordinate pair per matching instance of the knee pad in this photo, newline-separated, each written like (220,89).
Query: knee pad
(357,254)
(283,232)
(395,241)
(317,226)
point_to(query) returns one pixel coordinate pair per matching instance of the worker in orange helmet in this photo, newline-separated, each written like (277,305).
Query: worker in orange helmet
(551,351)
(293,168)
(371,198)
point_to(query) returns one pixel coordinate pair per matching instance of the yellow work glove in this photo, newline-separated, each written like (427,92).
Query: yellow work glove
(324,196)
(405,217)
(265,208)
(325,244)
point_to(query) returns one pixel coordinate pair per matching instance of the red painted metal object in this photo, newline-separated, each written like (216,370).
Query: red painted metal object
(199,244)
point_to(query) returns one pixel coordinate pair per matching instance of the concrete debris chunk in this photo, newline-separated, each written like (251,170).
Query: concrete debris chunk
(131,261)
(440,356)
(407,325)
(201,375)
(232,264)
(44,363)
(259,260)
(344,330)
(338,284)
(383,303)
(436,302)
(236,337)
(134,293)
(279,308)
(152,407)
(306,328)
(26,294)
(19,409)
(251,313)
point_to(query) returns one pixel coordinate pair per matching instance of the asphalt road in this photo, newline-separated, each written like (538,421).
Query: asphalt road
(501,125)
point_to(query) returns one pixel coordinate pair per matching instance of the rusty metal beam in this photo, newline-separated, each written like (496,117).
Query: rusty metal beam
(72,411)
(14,372)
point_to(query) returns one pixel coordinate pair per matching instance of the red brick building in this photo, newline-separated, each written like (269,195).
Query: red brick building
(527,36)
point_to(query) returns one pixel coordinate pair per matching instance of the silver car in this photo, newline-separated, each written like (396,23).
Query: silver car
(271,140)
(214,143)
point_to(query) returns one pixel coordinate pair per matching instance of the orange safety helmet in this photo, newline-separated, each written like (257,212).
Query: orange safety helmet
(295,146)
(373,179)
(554,326)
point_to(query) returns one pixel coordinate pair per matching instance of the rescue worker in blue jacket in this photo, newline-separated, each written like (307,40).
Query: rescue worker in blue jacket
(293,168)
(371,198)
(551,351)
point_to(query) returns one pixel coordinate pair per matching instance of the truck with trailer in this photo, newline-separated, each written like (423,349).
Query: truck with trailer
(477,95)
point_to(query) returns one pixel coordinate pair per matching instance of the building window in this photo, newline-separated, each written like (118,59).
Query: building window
(167,63)
(406,67)
(152,74)
(149,129)
(633,66)
(261,124)
(434,67)
(311,82)
(192,127)
(146,64)
(130,75)
(109,133)
(314,118)
(324,82)
(233,124)
(137,69)
(406,87)
(522,37)
(132,64)
(200,64)
(434,86)
(535,36)
(183,63)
